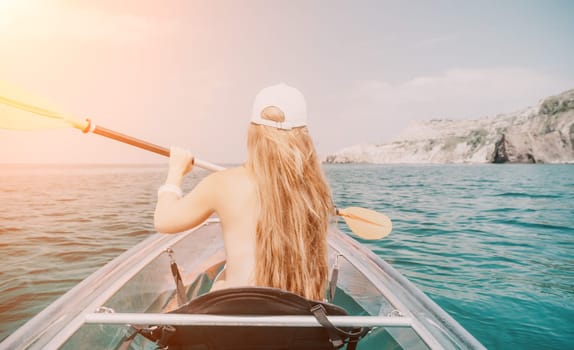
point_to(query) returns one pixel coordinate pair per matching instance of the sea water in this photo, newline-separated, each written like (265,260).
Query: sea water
(491,244)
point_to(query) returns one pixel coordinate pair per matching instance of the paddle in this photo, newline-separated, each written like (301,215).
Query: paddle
(18,115)
(366,223)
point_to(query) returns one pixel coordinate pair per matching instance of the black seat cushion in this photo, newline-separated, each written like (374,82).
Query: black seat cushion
(250,301)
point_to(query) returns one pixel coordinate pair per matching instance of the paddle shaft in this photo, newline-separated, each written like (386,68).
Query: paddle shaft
(96,129)
(131,140)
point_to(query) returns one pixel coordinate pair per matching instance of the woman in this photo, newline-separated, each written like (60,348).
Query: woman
(274,210)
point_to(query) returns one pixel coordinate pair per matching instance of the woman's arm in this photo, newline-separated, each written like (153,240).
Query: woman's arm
(174,214)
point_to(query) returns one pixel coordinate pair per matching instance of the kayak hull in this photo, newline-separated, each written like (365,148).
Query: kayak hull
(138,288)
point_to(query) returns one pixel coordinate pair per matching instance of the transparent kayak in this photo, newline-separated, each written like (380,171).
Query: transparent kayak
(138,288)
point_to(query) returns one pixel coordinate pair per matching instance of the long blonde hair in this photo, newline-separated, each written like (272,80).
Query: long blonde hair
(295,207)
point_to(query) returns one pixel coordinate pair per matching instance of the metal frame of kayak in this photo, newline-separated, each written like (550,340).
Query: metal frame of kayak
(52,327)
(258,321)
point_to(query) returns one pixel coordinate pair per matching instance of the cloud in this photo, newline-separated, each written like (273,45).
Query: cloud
(435,41)
(37,20)
(462,93)
(382,109)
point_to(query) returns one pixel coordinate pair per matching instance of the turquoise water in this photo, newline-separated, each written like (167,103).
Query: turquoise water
(491,244)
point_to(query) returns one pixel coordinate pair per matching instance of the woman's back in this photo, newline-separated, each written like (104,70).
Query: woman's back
(237,209)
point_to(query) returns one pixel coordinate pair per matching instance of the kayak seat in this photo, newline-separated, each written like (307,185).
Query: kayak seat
(254,301)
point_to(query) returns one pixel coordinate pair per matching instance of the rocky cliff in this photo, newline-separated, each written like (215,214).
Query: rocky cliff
(540,134)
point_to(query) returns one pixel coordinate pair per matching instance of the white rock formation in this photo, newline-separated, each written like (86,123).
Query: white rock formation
(541,134)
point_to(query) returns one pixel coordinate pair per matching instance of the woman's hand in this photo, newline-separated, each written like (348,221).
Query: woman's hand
(175,212)
(180,163)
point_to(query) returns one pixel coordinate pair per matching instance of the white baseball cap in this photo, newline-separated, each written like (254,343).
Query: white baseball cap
(284,97)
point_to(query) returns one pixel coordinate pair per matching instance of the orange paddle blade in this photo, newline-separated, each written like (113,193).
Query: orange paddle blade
(366,223)
(21,110)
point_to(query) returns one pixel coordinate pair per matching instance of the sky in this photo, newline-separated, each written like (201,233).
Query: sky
(184,72)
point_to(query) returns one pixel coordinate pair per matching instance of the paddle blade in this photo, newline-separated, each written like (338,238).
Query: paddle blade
(20,110)
(366,223)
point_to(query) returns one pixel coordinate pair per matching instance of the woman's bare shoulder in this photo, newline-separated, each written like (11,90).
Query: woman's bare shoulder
(230,176)
(229,186)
